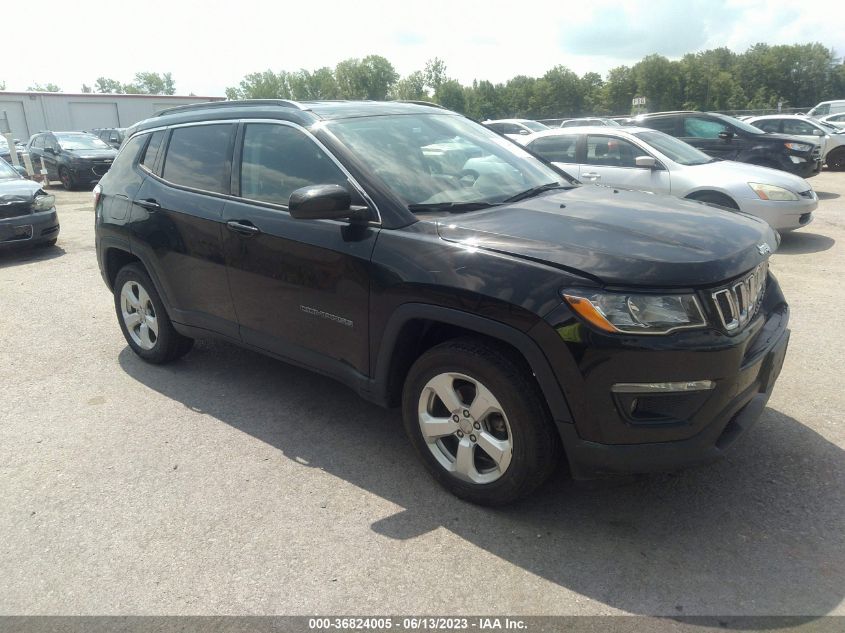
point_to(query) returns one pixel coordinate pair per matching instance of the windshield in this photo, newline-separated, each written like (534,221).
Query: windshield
(7,171)
(80,141)
(674,149)
(534,126)
(829,127)
(742,125)
(436,159)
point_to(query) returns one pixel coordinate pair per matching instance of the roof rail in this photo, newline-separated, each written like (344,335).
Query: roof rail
(204,105)
(422,103)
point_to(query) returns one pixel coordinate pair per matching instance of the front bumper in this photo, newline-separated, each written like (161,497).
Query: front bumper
(88,173)
(29,229)
(782,216)
(627,433)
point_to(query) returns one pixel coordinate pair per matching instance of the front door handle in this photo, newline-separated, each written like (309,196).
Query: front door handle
(243,227)
(591,176)
(149,204)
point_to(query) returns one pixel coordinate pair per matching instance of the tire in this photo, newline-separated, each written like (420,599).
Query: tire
(67,179)
(836,160)
(510,421)
(716,198)
(150,334)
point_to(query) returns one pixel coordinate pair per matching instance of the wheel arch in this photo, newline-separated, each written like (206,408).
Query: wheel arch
(704,192)
(414,328)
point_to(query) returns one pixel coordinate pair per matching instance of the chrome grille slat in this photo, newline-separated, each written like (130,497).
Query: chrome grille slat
(738,303)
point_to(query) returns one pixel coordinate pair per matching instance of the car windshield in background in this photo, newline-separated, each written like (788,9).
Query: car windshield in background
(80,141)
(534,126)
(7,171)
(432,161)
(678,151)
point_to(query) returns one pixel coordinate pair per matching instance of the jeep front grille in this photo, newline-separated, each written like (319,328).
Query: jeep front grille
(737,303)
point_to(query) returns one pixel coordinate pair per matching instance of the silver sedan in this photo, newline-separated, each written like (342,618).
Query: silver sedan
(648,160)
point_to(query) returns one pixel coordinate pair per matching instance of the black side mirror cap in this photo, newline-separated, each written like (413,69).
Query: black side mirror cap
(726,136)
(324,202)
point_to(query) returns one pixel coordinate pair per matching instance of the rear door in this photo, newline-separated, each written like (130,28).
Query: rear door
(610,160)
(300,287)
(177,219)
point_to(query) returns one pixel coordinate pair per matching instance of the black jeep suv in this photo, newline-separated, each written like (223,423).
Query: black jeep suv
(431,264)
(728,138)
(78,159)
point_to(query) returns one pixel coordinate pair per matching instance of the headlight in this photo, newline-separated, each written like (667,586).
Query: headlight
(798,147)
(43,203)
(636,313)
(770,192)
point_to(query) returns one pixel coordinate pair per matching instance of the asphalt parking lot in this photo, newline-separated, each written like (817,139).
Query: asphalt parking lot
(230,483)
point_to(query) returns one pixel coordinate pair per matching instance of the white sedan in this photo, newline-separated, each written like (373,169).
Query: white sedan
(648,160)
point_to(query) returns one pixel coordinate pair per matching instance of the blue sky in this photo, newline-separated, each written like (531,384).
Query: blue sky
(211,45)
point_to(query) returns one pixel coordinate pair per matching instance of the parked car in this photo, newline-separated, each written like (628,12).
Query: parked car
(110,135)
(648,160)
(514,128)
(78,159)
(724,137)
(827,107)
(835,119)
(6,153)
(830,137)
(27,212)
(589,121)
(509,311)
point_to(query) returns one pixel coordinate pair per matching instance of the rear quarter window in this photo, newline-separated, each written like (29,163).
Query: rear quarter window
(122,165)
(200,157)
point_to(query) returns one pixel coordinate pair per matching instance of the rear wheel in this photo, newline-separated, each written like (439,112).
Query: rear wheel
(478,421)
(143,318)
(714,197)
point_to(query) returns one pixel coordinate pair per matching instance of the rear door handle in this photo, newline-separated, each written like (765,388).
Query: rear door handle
(243,227)
(148,203)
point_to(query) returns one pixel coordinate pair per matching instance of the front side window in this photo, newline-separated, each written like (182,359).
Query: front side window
(820,110)
(800,128)
(612,152)
(674,149)
(279,159)
(557,149)
(199,157)
(703,128)
(38,142)
(437,159)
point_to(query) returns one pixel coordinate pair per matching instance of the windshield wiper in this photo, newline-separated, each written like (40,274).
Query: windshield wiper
(534,191)
(452,207)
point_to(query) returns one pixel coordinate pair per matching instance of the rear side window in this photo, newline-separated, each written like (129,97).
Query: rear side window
(199,157)
(768,125)
(558,149)
(665,125)
(149,158)
(278,159)
(122,165)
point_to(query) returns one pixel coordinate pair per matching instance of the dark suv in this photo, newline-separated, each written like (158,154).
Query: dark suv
(427,262)
(78,159)
(728,138)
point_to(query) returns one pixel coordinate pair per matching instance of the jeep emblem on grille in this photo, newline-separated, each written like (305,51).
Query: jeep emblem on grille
(764,249)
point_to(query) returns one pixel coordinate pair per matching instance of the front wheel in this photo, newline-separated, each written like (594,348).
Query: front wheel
(836,160)
(67,179)
(143,318)
(478,421)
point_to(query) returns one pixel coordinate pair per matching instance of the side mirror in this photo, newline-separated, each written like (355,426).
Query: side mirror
(646,162)
(524,132)
(324,202)
(49,150)
(726,136)
(817,132)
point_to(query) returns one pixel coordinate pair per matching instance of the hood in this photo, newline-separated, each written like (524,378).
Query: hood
(620,237)
(17,190)
(786,138)
(93,154)
(728,172)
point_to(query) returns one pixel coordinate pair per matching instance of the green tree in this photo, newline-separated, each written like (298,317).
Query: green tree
(48,87)
(86,88)
(2,85)
(106,85)
(435,73)
(658,79)
(154,84)
(618,91)
(261,85)
(411,88)
(370,78)
(450,94)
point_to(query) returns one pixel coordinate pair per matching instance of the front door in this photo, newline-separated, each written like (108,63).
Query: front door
(612,161)
(713,137)
(300,287)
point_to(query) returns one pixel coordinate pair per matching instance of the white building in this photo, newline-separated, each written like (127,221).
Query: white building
(25,113)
